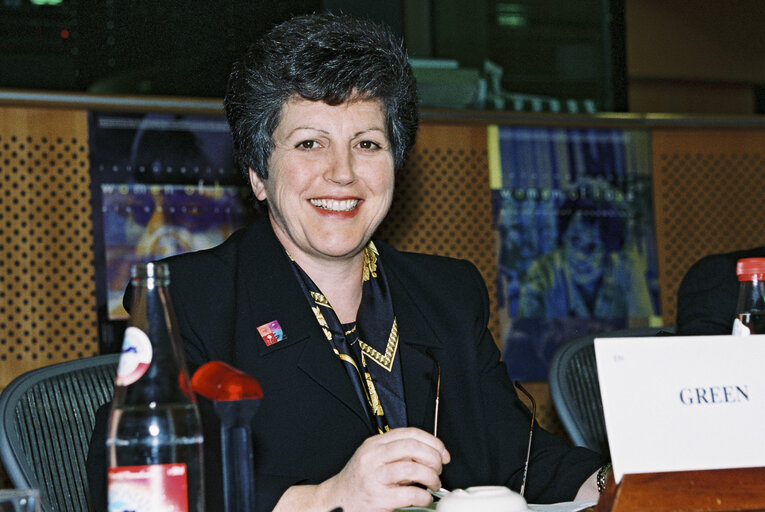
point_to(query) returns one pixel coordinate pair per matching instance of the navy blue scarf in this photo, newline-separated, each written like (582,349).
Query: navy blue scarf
(368,347)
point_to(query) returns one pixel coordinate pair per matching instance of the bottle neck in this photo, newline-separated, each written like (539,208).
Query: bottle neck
(166,378)
(150,274)
(751,296)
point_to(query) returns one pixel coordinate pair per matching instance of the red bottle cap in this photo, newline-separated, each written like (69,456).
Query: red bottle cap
(749,269)
(218,381)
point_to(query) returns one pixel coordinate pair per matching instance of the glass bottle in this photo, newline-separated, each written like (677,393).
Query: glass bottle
(154,436)
(750,309)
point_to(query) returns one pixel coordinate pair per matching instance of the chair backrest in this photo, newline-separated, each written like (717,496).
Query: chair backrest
(575,390)
(47,419)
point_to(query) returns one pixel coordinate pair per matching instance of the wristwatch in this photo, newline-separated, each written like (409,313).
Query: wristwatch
(602,476)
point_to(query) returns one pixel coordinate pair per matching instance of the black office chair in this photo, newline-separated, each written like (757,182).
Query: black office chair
(46,419)
(575,389)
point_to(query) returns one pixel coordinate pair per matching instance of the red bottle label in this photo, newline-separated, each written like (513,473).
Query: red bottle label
(154,488)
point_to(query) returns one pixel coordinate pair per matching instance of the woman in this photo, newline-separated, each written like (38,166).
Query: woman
(595,272)
(350,338)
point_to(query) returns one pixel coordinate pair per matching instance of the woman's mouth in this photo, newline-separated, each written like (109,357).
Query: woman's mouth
(335,205)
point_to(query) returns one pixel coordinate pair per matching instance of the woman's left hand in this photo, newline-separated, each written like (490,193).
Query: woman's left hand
(388,471)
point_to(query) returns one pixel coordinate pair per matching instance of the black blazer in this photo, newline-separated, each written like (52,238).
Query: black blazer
(310,422)
(708,293)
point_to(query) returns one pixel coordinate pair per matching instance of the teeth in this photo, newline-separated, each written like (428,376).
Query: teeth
(335,205)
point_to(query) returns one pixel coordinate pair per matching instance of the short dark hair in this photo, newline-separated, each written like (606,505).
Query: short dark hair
(320,57)
(605,215)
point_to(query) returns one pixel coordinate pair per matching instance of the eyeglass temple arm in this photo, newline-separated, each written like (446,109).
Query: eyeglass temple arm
(531,433)
(438,391)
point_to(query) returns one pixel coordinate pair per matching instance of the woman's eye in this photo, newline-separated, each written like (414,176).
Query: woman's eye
(306,144)
(368,144)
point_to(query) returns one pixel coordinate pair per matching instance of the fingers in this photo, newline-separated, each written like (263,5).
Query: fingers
(409,450)
(404,473)
(408,496)
(403,457)
(387,471)
(419,436)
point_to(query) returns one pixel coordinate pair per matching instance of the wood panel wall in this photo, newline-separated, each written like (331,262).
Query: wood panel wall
(709,197)
(442,203)
(47,283)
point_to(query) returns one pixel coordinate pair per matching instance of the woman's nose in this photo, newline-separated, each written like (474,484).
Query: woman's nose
(341,170)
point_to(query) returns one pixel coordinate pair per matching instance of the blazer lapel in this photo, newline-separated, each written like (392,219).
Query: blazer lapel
(274,294)
(418,346)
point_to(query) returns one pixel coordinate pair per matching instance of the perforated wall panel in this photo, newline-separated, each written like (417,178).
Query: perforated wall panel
(709,197)
(442,203)
(547,416)
(47,301)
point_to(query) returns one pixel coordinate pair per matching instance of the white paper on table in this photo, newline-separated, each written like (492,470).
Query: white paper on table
(675,403)
(568,506)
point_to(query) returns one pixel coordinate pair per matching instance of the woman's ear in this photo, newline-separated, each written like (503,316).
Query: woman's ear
(258,185)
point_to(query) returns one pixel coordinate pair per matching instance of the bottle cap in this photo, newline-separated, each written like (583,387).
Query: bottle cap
(749,269)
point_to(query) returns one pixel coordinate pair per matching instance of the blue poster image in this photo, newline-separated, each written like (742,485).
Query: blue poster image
(576,248)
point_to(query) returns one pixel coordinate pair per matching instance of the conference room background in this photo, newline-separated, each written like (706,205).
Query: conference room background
(58,173)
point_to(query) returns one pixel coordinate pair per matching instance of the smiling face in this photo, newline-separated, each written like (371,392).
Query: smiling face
(330,179)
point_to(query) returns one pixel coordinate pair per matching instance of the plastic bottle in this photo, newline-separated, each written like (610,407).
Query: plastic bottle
(154,436)
(750,309)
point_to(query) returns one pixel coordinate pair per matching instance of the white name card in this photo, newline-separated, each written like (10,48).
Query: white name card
(675,403)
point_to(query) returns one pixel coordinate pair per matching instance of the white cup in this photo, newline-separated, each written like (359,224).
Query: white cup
(486,498)
(19,500)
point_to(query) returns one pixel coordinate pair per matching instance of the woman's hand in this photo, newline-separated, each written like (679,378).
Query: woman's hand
(379,476)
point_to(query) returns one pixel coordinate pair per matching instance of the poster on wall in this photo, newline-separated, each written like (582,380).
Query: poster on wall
(573,220)
(162,184)
(146,223)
